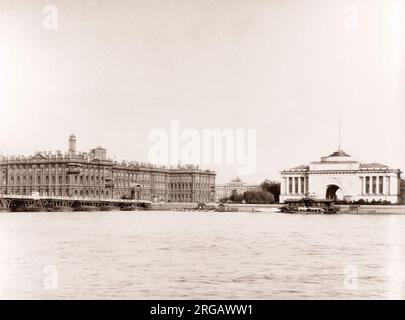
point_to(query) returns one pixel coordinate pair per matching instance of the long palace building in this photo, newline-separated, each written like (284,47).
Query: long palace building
(93,175)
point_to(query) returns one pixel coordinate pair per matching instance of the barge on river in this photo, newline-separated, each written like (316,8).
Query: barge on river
(309,205)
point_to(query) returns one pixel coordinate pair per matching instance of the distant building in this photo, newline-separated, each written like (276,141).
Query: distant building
(93,175)
(340,177)
(235,185)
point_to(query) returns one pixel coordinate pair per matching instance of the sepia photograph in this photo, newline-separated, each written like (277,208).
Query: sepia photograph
(202,150)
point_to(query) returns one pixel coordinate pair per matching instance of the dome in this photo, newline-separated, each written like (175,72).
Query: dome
(339,153)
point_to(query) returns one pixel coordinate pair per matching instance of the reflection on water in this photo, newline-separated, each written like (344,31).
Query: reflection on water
(158,255)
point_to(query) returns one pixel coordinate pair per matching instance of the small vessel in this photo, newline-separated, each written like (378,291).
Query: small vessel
(309,205)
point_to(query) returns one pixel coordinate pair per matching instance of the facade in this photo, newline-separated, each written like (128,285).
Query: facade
(340,177)
(93,175)
(225,190)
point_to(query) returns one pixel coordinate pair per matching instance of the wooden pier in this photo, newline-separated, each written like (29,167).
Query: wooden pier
(21,203)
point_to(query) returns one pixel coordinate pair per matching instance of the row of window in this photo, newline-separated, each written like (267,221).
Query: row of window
(60,192)
(371,184)
(53,179)
(87,180)
(297,185)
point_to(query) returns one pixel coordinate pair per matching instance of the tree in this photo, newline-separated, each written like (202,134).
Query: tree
(236,197)
(251,197)
(260,197)
(273,188)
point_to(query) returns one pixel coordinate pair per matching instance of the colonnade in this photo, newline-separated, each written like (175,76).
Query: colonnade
(295,185)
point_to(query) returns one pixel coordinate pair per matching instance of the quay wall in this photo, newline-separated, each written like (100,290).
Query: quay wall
(167,206)
(238,206)
(373,209)
(346,209)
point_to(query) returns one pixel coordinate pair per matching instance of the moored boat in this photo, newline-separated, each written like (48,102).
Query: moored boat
(309,205)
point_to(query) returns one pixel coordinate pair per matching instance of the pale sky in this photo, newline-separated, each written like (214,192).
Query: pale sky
(115,70)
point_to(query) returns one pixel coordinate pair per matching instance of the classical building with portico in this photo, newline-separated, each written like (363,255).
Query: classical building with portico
(340,177)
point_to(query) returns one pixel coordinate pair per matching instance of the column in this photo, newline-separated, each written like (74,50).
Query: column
(293,185)
(299,185)
(363,185)
(389,185)
(286,185)
(377,185)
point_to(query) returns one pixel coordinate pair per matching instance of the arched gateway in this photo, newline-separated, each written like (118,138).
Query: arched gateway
(338,176)
(334,192)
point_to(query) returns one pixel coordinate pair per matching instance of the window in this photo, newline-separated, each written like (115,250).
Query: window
(290,188)
(296,185)
(381,183)
(374,187)
(302,185)
(367,185)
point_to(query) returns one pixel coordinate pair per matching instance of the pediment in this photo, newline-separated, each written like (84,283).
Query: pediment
(38,156)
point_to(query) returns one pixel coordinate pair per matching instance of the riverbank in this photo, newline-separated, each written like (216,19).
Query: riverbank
(344,209)
(175,206)
(372,209)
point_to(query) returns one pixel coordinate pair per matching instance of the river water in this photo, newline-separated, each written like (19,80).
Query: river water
(178,255)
